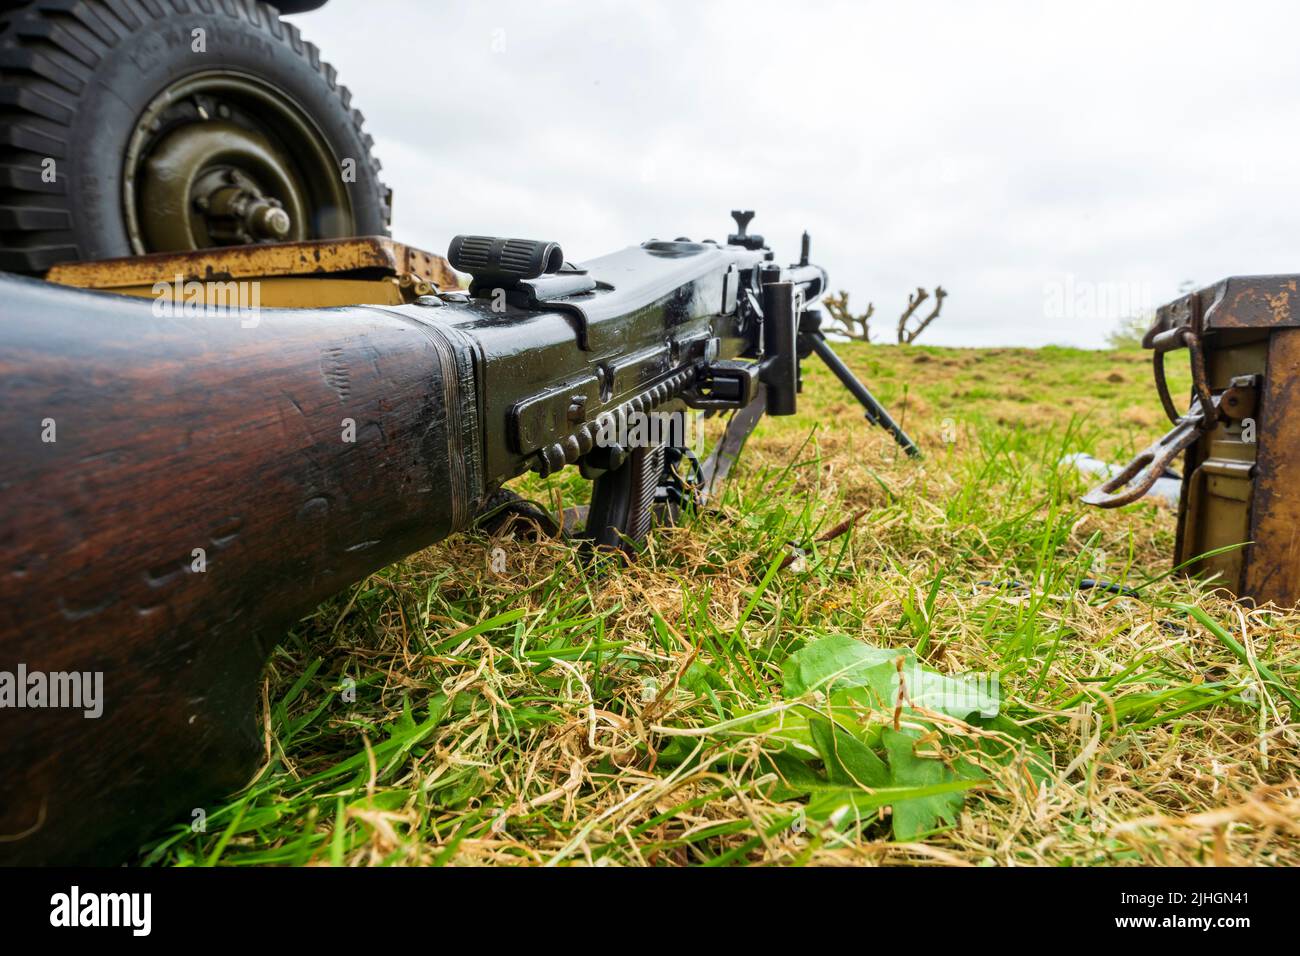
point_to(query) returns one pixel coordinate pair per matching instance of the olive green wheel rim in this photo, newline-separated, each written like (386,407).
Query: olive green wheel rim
(222,158)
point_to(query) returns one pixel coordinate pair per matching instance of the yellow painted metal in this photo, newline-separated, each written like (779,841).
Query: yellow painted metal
(370,270)
(276,293)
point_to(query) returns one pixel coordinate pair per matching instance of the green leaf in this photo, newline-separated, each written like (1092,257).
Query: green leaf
(839,661)
(828,800)
(958,697)
(794,777)
(856,710)
(699,676)
(848,761)
(919,815)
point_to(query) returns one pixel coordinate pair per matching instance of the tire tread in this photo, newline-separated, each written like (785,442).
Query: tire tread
(48,53)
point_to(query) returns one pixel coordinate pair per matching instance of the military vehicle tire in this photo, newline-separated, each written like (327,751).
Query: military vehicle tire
(134,126)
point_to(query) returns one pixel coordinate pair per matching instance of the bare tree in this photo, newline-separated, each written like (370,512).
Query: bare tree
(907,336)
(857,327)
(854,326)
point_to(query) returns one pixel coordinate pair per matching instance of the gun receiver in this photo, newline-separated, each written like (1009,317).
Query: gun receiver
(181,484)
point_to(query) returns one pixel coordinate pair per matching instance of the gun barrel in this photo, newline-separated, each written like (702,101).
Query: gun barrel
(180,489)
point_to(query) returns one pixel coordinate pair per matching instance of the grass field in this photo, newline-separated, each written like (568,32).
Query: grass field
(731,697)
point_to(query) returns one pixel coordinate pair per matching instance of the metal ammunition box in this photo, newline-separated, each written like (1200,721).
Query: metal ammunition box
(1239,514)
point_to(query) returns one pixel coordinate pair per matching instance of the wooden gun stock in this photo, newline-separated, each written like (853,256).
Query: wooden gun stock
(181,483)
(181,488)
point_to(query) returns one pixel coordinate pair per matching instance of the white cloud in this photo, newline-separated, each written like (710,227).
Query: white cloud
(993,147)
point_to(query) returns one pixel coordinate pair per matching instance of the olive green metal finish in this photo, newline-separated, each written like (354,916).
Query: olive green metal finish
(544,395)
(1218,473)
(220,158)
(1241,433)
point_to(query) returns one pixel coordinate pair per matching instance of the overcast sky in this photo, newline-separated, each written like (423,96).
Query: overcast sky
(1052,166)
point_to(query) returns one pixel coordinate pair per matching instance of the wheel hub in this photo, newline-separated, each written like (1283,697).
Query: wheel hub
(235,208)
(210,184)
(221,159)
